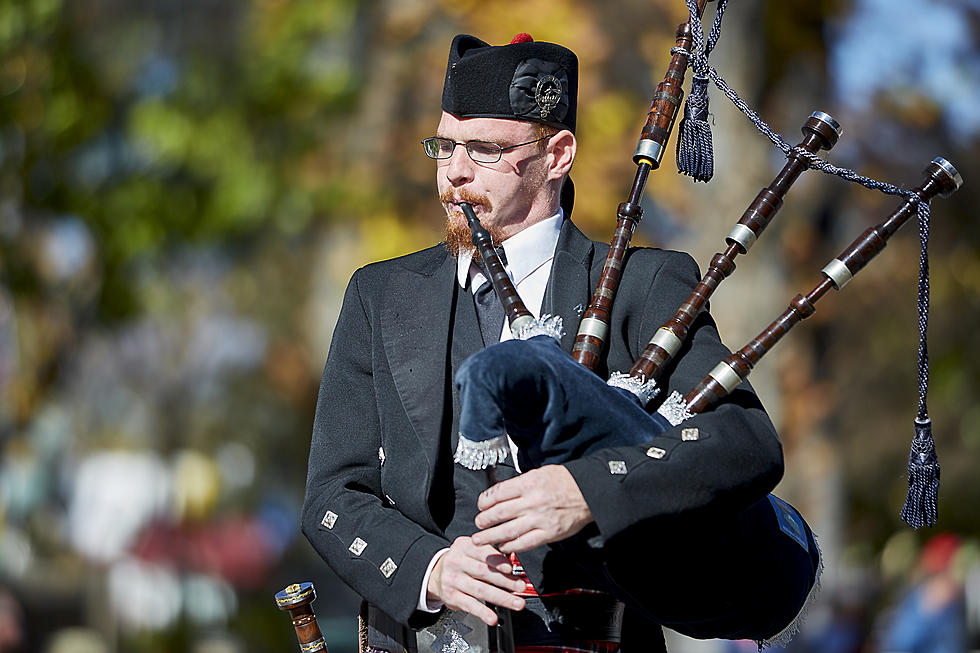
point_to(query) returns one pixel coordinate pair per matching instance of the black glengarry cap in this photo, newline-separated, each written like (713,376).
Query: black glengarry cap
(523,80)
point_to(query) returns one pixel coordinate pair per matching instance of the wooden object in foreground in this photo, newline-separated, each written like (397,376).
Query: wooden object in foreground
(941,178)
(296,600)
(820,132)
(594,327)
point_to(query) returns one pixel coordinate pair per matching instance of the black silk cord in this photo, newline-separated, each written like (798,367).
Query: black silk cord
(922,502)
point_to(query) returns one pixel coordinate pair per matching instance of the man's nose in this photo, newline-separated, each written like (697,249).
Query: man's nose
(459,167)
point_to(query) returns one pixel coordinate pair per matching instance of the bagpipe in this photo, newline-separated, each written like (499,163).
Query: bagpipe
(554,408)
(511,390)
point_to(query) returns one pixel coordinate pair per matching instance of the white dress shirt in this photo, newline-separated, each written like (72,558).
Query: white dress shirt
(529,254)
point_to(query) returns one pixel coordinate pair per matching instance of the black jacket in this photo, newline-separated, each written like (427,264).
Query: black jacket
(377,498)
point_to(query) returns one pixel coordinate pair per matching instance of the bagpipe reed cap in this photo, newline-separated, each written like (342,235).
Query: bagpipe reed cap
(946,174)
(826,126)
(295,594)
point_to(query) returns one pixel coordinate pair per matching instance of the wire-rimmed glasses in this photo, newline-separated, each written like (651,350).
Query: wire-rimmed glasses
(436,147)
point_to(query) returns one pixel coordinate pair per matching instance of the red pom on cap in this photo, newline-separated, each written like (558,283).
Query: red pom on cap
(523,37)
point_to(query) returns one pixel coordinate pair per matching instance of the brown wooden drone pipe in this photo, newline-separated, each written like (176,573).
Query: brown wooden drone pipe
(820,132)
(594,327)
(941,178)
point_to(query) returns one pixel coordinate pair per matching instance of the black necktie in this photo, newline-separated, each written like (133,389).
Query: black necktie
(489,310)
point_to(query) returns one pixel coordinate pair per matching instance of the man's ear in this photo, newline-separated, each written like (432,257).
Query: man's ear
(561,152)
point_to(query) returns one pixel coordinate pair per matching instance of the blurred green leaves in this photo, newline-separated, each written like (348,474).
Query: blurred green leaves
(160,126)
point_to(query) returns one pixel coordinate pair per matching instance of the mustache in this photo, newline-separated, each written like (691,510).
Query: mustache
(455,196)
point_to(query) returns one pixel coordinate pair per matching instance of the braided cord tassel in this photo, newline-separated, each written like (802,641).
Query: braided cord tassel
(922,502)
(695,153)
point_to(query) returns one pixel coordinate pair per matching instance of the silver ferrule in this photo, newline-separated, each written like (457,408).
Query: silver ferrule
(666,340)
(829,120)
(838,273)
(726,376)
(521,322)
(591,326)
(649,149)
(742,235)
(950,170)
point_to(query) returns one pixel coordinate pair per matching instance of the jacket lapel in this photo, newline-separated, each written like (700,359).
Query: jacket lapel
(569,287)
(415,333)
(416,322)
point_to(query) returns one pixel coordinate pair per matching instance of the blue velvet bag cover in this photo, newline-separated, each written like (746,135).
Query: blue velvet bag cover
(556,410)
(553,408)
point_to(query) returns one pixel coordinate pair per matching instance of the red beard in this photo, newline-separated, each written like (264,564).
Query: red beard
(459,238)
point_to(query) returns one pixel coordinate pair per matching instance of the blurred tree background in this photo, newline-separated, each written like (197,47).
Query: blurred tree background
(186,187)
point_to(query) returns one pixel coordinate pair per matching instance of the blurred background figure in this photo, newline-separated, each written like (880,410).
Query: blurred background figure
(931,616)
(11,623)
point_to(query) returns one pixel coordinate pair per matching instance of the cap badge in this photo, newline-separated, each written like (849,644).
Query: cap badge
(539,91)
(547,94)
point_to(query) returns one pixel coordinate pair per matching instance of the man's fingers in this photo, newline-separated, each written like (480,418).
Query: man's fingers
(546,500)
(500,563)
(475,608)
(490,594)
(469,594)
(515,539)
(496,514)
(512,488)
(503,532)
(469,574)
(488,567)
(525,542)
(492,577)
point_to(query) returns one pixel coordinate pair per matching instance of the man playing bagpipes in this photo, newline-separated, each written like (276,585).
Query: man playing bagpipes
(397,520)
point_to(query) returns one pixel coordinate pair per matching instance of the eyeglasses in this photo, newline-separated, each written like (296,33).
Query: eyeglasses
(480,151)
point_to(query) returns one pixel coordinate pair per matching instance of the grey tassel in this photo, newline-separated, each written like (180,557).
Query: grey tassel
(695,155)
(922,503)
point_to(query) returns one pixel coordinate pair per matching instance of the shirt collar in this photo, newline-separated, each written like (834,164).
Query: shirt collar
(526,251)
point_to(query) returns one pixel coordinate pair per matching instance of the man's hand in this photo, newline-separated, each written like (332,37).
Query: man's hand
(540,506)
(468,574)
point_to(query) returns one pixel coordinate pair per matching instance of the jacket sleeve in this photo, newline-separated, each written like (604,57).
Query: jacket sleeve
(724,459)
(375,549)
